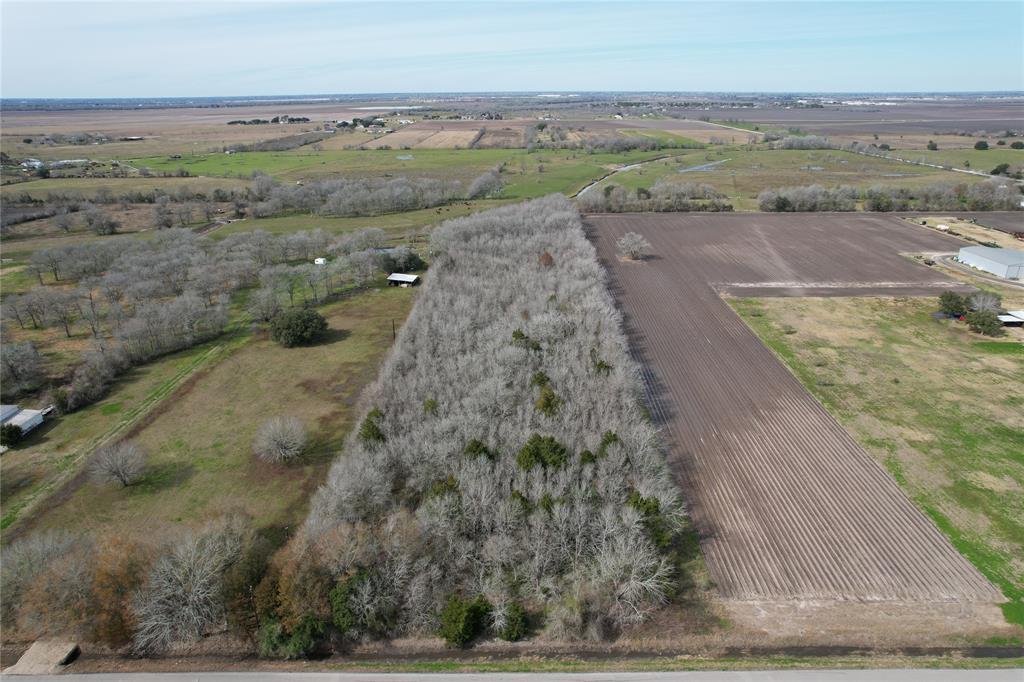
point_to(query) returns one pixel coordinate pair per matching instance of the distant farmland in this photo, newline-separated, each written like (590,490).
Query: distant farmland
(788,505)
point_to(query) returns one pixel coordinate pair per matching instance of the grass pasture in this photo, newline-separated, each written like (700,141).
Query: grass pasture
(53,453)
(744,174)
(200,438)
(938,406)
(86,188)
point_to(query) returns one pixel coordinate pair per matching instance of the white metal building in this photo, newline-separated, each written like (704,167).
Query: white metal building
(26,419)
(1007,263)
(400,279)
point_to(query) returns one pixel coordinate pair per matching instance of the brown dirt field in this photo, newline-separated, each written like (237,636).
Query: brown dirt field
(166,131)
(1006,221)
(695,130)
(407,137)
(906,117)
(788,506)
(449,139)
(501,138)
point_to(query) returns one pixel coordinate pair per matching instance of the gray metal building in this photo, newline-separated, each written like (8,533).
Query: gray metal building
(1007,263)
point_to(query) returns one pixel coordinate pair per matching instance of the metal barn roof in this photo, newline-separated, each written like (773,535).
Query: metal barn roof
(402,277)
(1001,256)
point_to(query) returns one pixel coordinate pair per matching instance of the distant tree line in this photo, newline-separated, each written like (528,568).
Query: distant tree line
(264,121)
(558,138)
(281,144)
(363,196)
(990,195)
(665,195)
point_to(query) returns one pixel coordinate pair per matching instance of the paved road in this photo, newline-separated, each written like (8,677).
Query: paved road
(701,676)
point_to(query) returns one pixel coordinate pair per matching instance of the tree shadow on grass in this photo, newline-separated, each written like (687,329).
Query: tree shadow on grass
(331,336)
(160,477)
(321,449)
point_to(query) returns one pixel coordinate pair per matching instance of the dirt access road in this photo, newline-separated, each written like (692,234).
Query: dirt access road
(789,507)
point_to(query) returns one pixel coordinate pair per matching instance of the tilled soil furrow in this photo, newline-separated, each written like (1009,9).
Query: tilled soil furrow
(787,504)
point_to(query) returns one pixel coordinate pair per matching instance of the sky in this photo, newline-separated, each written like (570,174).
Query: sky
(164,48)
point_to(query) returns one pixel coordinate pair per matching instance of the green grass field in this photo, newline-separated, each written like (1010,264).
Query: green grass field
(744,173)
(87,187)
(975,159)
(53,453)
(938,406)
(200,438)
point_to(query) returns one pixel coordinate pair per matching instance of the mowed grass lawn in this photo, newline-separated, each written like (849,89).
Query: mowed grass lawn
(939,407)
(200,439)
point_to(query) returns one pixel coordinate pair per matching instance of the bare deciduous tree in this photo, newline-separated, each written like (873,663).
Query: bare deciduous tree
(183,595)
(633,246)
(123,463)
(280,439)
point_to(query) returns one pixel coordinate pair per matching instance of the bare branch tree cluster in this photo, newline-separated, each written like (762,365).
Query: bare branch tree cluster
(463,464)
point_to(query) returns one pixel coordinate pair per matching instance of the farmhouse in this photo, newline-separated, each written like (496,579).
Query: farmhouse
(26,419)
(1007,263)
(399,279)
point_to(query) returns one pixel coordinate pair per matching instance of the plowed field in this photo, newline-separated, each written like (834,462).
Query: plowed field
(788,505)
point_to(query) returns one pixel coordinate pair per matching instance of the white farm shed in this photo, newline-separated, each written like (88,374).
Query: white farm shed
(400,279)
(1007,263)
(26,419)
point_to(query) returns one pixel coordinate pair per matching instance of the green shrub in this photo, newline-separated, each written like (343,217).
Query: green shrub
(600,366)
(587,457)
(10,434)
(516,625)
(541,450)
(953,304)
(297,327)
(608,438)
(548,402)
(981,144)
(370,431)
(429,406)
(274,641)
(654,523)
(1017,145)
(342,615)
(462,621)
(932,146)
(242,580)
(985,322)
(443,486)
(540,379)
(523,341)
(475,448)
(523,500)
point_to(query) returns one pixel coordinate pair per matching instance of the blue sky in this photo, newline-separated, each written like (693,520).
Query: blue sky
(151,48)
